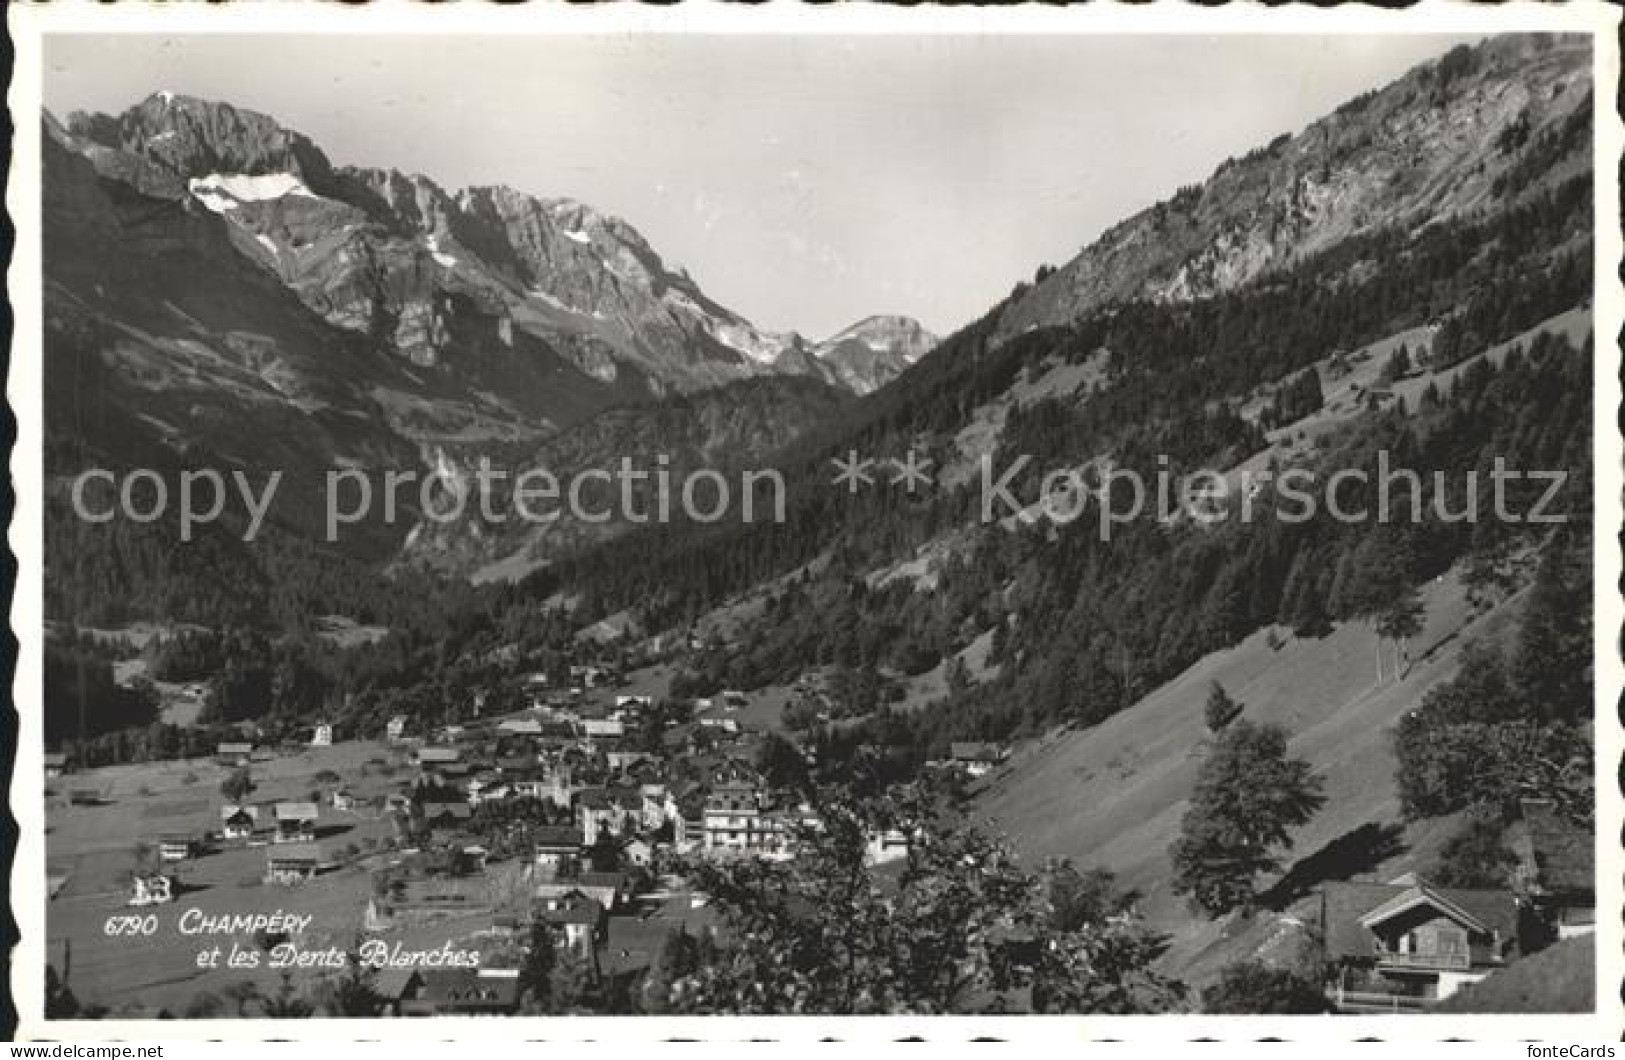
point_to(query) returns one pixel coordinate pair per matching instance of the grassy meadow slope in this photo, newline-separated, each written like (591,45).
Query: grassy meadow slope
(1561,979)
(1112,796)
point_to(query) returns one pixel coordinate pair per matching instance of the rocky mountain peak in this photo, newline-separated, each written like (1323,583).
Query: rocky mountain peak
(190,137)
(379,250)
(867,355)
(1451,136)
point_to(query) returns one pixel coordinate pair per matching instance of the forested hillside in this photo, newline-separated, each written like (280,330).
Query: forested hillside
(1276,369)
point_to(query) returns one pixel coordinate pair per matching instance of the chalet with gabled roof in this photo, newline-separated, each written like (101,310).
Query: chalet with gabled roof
(1408,944)
(238,822)
(976,759)
(582,919)
(608,889)
(607,809)
(296,822)
(557,849)
(290,864)
(233,753)
(436,757)
(460,992)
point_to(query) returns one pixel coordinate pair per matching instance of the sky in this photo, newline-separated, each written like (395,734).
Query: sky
(805,182)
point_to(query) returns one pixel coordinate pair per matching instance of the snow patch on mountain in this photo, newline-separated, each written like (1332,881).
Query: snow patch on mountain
(445,260)
(221,192)
(738,335)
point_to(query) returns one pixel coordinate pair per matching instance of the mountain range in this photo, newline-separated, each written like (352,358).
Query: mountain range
(233,294)
(220,272)
(1405,283)
(384,253)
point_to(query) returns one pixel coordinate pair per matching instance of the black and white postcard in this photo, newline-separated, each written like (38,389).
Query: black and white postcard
(720,521)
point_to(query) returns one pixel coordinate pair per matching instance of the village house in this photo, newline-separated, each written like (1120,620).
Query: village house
(609,889)
(238,822)
(581,919)
(602,728)
(177,846)
(56,764)
(658,805)
(343,799)
(622,758)
(443,818)
(291,864)
(515,766)
(521,726)
(557,850)
(296,822)
(588,676)
(395,728)
(234,753)
(975,759)
(1556,868)
(554,787)
(1408,944)
(433,757)
(460,992)
(322,735)
(736,820)
(487,788)
(885,846)
(714,719)
(733,819)
(615,810)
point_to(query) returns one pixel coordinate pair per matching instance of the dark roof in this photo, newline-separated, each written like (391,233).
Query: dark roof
(604,798)
(463,986)
(616,880)
(554,835)
(975,752)
(459,810)
(1564,854)
(691,803)
(574,907)
(1343,904)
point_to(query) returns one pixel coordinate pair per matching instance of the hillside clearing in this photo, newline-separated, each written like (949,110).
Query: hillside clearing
(1112,796)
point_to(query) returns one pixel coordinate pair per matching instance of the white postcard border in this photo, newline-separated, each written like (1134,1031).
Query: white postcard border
(29,24)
